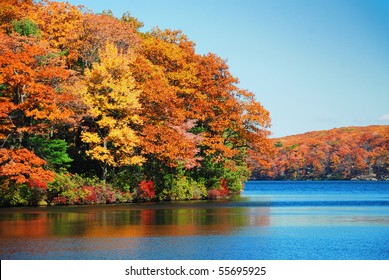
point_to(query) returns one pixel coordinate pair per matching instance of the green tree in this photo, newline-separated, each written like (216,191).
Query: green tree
(54,151)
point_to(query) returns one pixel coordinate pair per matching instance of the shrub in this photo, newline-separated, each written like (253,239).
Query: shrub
(213,194)
(181,189)
(146,190)
(62,186)
(224,188)
(199,189)
(123,197)
(36,184)
(220,192)
(110,196)
(89,195)
(14,195)
(60,200)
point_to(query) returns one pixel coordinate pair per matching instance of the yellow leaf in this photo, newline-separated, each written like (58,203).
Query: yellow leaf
(90,138)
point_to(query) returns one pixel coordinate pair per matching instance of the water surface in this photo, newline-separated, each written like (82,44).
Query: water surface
(269,220)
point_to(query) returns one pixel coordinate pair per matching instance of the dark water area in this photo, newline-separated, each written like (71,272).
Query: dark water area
(270,220)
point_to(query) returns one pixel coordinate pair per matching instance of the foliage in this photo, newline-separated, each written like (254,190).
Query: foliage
(79,91)
(14,195)
(53,151)
(113,101)
(342,153)
(75,189)
(92,110)
(181,187)
(21,166)
(146,190)
(26,27)
(31,98)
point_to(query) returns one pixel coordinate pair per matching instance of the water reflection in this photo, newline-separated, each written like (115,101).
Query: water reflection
(187,218)
(129,220)
(268,221)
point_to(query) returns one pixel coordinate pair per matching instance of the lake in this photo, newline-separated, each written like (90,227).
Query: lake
(346,220)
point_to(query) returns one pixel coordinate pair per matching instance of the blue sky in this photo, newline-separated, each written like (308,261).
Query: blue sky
(313,64)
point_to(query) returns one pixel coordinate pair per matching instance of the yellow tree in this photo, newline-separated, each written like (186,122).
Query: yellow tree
(113,104)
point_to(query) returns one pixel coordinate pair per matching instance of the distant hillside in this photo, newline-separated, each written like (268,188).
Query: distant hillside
(340,153)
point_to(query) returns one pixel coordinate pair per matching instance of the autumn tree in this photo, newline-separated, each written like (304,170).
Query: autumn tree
(30,77)
(23,178)
(343,153)
(180,88)
(79,89)
(13,12)
(62,27)
(233,124)
(32,101)
(166,74)
(23,166)
(113,104)
(98,29)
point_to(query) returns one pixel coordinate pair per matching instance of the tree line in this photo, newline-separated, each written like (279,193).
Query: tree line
(337,154)
(93,110)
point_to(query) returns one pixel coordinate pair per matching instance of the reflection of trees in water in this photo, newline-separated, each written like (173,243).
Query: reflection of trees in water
(24,225)
(129,221)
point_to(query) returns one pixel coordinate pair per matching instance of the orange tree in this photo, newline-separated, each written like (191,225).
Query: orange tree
(31,104)
(197,123)
(32,100)
(142,105)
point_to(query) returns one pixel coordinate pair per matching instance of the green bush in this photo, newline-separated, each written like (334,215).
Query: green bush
(75,189)
(182,188)
(62,185)
(235,179)
(26,27)
(14,195)
(199,189)
(21,195)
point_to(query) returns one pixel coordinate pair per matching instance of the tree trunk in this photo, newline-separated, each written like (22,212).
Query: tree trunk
(105,165)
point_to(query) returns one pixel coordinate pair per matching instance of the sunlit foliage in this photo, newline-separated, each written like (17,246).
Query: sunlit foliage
(85,95)
(343,153)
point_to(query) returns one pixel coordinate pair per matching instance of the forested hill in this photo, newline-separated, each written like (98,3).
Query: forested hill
(340,153)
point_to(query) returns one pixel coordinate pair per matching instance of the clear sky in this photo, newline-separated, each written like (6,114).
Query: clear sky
(313,64)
